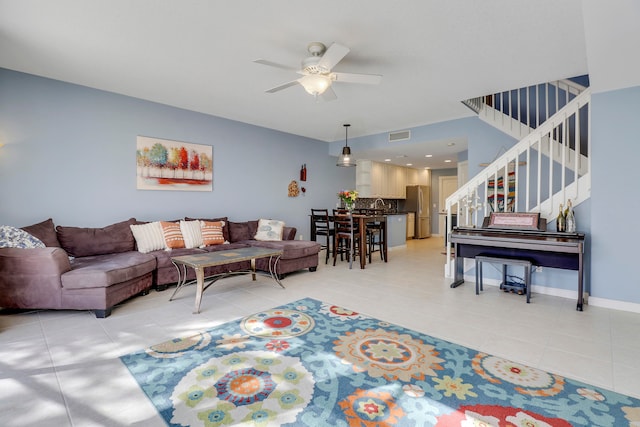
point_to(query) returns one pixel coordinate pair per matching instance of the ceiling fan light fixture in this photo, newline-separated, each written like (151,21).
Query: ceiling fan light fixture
(315,84)
(345,158)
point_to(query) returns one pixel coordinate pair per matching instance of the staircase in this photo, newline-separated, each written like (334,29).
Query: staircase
(549,165)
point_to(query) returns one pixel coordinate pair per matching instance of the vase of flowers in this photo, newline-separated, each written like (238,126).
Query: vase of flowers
(348,197)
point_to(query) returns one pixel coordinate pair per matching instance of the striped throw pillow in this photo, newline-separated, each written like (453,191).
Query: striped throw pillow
(148,237)
(192,234)
(172,235)
(212,232)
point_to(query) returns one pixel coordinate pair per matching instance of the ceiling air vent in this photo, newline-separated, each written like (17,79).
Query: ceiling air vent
(399,136)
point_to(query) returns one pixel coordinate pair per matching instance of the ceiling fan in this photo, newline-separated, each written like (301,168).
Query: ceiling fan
(317,76)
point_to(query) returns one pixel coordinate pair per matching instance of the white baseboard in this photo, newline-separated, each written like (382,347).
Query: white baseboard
(565,293)
(390,248)
(614,304)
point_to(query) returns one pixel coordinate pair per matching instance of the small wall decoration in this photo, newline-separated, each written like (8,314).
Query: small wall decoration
(163,164)
(293,189)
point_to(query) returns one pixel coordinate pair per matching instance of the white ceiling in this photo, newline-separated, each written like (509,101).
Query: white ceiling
(198,55)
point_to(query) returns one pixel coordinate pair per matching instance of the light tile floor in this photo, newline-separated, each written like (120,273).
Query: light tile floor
(61,368)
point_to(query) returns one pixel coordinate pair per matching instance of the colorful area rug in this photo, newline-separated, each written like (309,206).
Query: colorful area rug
(309,363)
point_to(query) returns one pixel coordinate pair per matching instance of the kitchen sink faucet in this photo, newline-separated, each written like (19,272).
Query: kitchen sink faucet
(375,204)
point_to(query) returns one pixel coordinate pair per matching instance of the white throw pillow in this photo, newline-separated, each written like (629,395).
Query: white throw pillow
(269,229)
(192,234)
(149,237)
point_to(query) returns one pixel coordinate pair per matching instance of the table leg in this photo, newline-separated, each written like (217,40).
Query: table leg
(199,289)
(351,251)
(580,280)
(362,232)
(312,227)
(384,238)
(182,279)
(273,268)
(253,269)
(458,275)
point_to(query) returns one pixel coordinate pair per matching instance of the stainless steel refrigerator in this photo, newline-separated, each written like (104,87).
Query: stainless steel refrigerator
(419,201)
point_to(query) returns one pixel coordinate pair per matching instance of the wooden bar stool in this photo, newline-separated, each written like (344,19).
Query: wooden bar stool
(323,227)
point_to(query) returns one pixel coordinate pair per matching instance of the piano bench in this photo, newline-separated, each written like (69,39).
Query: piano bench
(505,262)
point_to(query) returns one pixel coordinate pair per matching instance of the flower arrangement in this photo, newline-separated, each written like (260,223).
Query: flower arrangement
(348,197)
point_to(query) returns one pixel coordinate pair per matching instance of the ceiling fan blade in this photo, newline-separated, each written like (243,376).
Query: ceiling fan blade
(369,79)
(333,55)
(275,64)
(328,95)
(283,86)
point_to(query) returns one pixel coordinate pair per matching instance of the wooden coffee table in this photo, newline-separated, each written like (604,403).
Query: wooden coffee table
(209,259)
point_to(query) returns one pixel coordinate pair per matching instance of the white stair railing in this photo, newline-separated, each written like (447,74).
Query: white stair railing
(518,112)
(546,168)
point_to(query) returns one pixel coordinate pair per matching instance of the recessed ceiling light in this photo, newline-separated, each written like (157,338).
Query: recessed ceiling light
(451,144)
(447,161)
(409,164)
(387,160)
(428,155)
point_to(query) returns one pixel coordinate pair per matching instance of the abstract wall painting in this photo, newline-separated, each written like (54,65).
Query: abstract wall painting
(163,164)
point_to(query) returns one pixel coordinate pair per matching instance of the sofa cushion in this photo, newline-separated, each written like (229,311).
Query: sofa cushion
(239,231)
(163,258)
(105,270)
(115,238)
(11,237)
(45,231)
(212,233)
(269,229)
(172,235)
(289,233)
(225,228)
(253,228)
(192,234)
(148,237)
(227,246)
(291,249)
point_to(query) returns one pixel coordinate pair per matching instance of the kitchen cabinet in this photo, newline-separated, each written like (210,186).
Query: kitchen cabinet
(397,181)
(375,179)
(412,177)
(411,225)
(363,178)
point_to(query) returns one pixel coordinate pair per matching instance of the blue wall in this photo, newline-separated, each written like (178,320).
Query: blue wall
(70,155)
(614,193)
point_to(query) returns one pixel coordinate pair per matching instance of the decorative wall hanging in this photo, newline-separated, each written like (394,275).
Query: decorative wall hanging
(163,164)
(293,189)
(303,172)
(496,194)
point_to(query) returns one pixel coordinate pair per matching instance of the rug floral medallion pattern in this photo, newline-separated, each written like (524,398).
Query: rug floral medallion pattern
(310,363)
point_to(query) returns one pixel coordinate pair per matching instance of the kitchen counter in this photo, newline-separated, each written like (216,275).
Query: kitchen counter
(396,229)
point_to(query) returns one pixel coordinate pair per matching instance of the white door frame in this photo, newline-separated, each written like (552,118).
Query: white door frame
(444,182)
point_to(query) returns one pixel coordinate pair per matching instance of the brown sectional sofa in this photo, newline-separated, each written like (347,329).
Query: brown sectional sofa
(97,268)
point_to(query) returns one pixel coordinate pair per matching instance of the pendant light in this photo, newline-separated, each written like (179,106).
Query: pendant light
(345,158)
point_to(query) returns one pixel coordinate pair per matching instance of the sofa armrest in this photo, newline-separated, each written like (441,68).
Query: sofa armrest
(289,233)
(49,260)
(31,277)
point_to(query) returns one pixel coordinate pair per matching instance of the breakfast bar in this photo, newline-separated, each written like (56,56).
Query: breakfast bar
(360,222)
